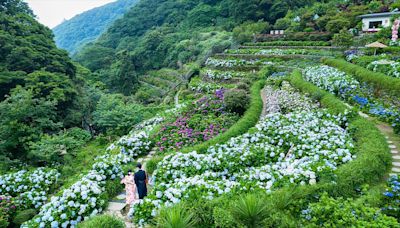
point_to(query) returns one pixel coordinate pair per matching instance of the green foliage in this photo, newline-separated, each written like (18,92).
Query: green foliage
(52,148)
(343,39)
(116,115)
(23,118)
(246,31)
(378,80)
(334,26)
(330,212)
(175,217)
(151,165)
(250,210)
(236,100)
(88,26)
(223,218)
(104,221)
(23,216)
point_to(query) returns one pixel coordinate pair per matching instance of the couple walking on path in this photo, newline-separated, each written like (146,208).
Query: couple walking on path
(135,185)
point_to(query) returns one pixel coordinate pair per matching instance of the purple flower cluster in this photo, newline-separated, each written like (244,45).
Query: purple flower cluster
(7,207)
(199,122)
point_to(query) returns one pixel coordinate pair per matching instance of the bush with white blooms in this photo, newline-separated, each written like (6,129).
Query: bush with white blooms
(283,149)
(30,188)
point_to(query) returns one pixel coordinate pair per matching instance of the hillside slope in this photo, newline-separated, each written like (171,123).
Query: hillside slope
(86,27)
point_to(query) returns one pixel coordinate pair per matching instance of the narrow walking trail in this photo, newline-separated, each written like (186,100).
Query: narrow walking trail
(118,207)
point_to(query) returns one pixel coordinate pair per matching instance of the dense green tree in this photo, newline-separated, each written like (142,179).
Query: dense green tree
(116,115)
(23,118)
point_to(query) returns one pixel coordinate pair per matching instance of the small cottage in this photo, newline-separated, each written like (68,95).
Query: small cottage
(373,22)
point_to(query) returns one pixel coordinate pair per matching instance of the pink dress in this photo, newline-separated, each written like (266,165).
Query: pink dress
(130,188)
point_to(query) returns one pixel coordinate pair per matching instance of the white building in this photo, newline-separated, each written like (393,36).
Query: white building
(373,22)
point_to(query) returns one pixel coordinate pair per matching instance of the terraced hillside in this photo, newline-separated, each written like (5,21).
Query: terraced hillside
(281,126)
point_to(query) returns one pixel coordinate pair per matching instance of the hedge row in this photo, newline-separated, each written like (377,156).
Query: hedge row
(290,43)
(249,120)
(378,80)
(373,160)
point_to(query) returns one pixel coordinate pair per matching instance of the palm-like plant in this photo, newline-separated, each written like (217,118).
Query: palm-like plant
(177,216)
(250,210)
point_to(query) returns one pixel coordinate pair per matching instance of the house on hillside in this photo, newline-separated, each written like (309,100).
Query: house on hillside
(375,21)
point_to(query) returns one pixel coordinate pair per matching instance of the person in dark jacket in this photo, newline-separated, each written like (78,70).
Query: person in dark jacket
(141,181)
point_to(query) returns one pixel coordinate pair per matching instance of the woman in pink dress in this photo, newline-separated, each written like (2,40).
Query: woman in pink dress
(130,188)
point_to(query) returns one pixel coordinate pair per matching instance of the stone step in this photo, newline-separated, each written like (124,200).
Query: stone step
(397,164)
(363,114)
(390,142)
(387,137)
(397,170)
(392,146)
(394,152)
(396,157)
(115,206)
(121,196)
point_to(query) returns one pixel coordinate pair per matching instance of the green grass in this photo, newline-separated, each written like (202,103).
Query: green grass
(102,221)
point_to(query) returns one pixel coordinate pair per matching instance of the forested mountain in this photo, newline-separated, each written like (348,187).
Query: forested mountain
(166,33)
(87,26)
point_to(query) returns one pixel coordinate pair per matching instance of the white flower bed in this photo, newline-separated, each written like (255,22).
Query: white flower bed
(330,79)
(283,149)
(389,67)
(287,99)
(205,87)
(222,75)
(31,188)
(229,63)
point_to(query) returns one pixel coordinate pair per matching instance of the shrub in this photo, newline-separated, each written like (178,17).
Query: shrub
(343,39)
(116,115)
(51,148)
(330,212)
(334,26)
(175,217)
(23,216)
(151,165)
(113,187)
(223,218)
(236,100)
(245,32)
(242,86)
(250,211)
(103,221)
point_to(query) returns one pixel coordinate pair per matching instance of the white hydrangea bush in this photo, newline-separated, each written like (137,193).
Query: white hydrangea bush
(222,75)
(330,79)
(31,188)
